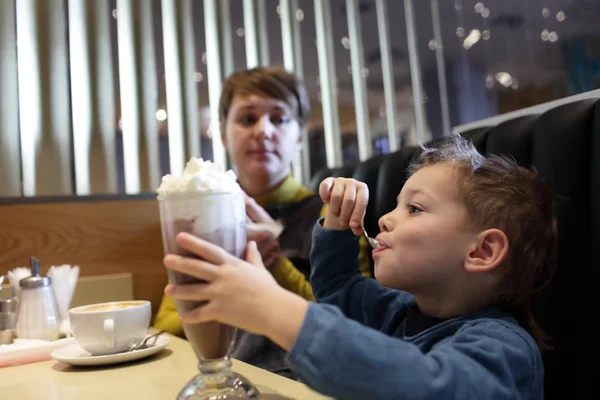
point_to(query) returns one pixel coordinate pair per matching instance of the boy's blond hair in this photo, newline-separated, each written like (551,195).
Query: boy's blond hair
(498,193)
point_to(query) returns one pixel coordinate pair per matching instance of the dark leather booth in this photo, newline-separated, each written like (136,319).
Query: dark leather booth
(563,144)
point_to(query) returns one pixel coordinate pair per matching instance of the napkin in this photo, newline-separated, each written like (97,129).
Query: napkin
(15,276)
(64,279)
(274,228)
(27,351)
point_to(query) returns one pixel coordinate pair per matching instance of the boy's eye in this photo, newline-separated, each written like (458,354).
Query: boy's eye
(413,209)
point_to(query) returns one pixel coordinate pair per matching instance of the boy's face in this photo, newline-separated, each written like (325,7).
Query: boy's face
(425,237)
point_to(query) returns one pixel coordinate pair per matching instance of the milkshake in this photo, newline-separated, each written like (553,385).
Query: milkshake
(206,202)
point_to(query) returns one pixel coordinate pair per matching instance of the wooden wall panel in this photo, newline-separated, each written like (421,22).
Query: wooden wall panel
(103,235)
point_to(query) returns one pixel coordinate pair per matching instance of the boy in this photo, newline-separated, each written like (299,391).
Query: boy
(448,316)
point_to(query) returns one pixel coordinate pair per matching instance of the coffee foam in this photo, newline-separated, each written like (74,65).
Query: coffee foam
(199,176)
(109,307)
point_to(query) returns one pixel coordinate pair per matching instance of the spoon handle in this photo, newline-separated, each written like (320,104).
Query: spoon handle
(372,242)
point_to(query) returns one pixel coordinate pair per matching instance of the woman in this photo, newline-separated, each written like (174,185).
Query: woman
(262,114)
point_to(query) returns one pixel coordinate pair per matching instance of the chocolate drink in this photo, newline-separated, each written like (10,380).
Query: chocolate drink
(220,219)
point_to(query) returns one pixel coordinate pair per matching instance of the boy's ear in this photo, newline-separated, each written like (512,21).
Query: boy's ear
(489,250)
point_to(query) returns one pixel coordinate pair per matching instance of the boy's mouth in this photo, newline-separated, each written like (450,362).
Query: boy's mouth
(382,246)
(379,250)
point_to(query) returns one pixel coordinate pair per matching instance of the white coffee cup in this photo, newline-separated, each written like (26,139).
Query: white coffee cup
(110,328)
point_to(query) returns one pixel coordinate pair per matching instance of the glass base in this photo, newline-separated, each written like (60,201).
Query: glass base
(218,384)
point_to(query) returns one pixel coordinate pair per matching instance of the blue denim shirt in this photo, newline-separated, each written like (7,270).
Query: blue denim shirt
(354,343)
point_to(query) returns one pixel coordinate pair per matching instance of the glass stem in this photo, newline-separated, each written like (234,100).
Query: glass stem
(214,371)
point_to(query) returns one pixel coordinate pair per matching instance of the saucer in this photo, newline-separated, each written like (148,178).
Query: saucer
(75,355)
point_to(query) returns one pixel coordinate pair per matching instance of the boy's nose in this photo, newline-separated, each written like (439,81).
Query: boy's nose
(384,223)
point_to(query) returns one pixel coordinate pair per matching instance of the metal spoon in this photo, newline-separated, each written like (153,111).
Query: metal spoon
(144,342)
(372,242)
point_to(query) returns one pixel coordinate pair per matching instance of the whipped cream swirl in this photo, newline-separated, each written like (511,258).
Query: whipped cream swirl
(199,176)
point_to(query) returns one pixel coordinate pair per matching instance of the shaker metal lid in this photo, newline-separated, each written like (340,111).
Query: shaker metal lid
(35,280)
(8,305)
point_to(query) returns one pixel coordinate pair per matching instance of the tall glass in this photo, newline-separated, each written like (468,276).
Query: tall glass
(219,218)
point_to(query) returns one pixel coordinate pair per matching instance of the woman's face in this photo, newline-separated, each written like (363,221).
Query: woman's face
(261,136)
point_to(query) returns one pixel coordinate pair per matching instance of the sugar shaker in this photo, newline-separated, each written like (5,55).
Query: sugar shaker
(38,316)
(8,317)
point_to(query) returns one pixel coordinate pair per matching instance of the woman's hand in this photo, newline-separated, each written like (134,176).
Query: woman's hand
(267,246)
(347,199)
(235,292)
(263,230)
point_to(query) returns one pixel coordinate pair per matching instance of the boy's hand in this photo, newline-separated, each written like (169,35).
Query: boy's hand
(347,199)
(235,292)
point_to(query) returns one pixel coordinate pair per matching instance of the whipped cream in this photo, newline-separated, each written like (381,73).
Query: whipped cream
(199,176)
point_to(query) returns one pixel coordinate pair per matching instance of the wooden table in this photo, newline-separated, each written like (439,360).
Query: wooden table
(157,377)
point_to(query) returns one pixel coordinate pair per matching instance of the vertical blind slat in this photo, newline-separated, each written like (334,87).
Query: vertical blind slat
(251,34)
(174,85)
(44,99)
(182,99)
(415,70)
(287,14)
(226,42)
(297,32)
(92,97)
(363,129)
(137,72)
(262,32)
(305,153)
(327,77)
(10,171)
(215,76)
(190,88)
(255,33)
(387,68)
(441,67)
(292,62)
